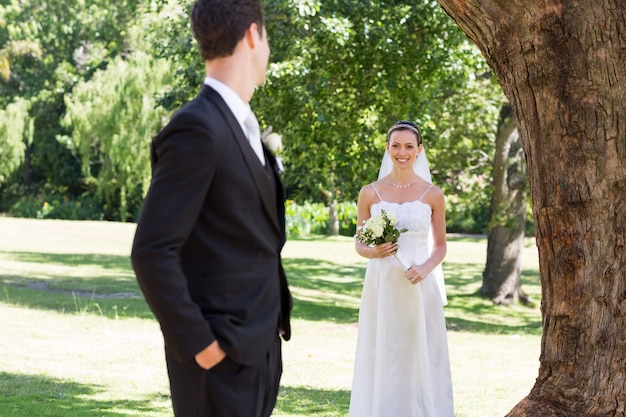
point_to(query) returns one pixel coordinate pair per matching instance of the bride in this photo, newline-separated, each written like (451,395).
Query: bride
(402,367)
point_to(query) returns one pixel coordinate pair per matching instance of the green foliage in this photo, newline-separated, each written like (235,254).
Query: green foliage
(173,41)
(15,49)
(53,164)
(312,219)
(112,129)
(467,205)
(306,219)
(341,74)
(53,46)
(347,216)
(55,206)
(351,72)
(74,36)
(15,131)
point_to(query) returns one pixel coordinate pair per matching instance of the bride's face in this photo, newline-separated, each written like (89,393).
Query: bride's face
(403,149)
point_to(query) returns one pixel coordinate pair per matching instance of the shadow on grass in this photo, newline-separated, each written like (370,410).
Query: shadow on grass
(322,291)
(458,324)
(103,274)
(468,311)
(112,262)
(73,283)
(305,401)
(70,302)
(329,292)
(34,395)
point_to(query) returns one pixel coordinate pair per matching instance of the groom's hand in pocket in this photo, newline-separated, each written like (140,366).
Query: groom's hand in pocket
(210,356)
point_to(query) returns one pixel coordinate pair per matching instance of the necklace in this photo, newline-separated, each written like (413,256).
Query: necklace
(400,186)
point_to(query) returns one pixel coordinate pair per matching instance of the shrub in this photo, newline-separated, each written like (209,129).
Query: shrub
(312,219)
(55,206)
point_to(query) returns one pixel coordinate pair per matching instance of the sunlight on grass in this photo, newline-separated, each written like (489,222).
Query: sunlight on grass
(77,335)
(82,363)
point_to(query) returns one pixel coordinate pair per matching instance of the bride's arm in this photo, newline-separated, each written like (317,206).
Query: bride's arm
(367,197)
(438,227)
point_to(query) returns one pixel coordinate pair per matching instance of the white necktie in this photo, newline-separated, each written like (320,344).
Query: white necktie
(254,136)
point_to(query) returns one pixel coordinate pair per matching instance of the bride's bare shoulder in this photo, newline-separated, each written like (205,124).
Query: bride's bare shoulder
(436,191)
(369,188)
(435,196)
(368,192)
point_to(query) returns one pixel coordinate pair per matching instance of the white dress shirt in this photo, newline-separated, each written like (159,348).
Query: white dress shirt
(240,110)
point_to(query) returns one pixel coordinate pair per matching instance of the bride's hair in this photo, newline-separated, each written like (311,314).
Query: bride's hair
(405,125)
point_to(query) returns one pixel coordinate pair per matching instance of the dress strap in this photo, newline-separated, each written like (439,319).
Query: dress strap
(375,190)
(420,199)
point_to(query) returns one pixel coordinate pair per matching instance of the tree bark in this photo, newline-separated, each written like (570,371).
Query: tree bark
(503,269)
(562,66)
(333,218)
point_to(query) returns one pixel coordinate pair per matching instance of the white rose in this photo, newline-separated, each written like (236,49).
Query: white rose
(377,230)
(367,224)
(378,221)
(393,219)
(275,143)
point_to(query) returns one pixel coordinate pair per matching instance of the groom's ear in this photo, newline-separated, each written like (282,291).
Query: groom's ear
(252,36)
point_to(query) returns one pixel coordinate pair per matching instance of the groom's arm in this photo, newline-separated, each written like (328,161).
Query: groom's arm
(185,159)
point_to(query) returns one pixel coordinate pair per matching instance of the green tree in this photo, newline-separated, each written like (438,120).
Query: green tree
(112,129)
(503,268)
(13,50)
(76,38)
(343,72)
(353,71)
(15,132)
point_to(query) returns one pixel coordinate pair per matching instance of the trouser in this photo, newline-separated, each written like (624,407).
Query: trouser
(228,389)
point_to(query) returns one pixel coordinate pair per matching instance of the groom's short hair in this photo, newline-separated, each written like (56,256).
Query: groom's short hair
(219,25)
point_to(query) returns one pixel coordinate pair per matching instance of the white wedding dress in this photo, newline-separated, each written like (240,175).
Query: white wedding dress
(402,367)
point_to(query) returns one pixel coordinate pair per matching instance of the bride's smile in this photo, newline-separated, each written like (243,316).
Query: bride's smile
(403,148)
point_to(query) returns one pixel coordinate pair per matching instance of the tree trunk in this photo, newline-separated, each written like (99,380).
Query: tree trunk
(28,168)
(333,218)
(29,133)
(502,274)
(562,66)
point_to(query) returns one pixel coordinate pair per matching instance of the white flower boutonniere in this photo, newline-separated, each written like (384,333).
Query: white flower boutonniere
(274,143)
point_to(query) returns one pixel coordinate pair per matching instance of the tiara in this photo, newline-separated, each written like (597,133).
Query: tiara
(408,126)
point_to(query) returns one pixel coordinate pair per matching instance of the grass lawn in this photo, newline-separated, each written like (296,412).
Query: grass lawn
(78,339)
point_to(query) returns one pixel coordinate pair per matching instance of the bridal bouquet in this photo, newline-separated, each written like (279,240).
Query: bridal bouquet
(380,229)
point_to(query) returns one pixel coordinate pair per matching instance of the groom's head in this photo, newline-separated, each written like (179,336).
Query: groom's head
(219,25)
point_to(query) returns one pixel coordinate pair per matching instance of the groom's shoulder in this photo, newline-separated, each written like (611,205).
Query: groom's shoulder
(201,107)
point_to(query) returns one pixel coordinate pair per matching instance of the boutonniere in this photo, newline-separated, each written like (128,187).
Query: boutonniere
(274,143)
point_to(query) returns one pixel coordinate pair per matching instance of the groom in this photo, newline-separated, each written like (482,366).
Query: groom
(207,247)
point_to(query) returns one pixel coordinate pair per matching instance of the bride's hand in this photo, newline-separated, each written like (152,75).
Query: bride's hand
(416,273)
(384,250)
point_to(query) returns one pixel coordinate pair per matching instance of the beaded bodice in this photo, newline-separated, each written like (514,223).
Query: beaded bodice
(413,215)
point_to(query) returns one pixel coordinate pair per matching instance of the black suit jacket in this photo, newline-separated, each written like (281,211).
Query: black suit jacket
(207,247)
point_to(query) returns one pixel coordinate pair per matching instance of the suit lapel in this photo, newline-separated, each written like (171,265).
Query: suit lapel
(279,189)
(259,174)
